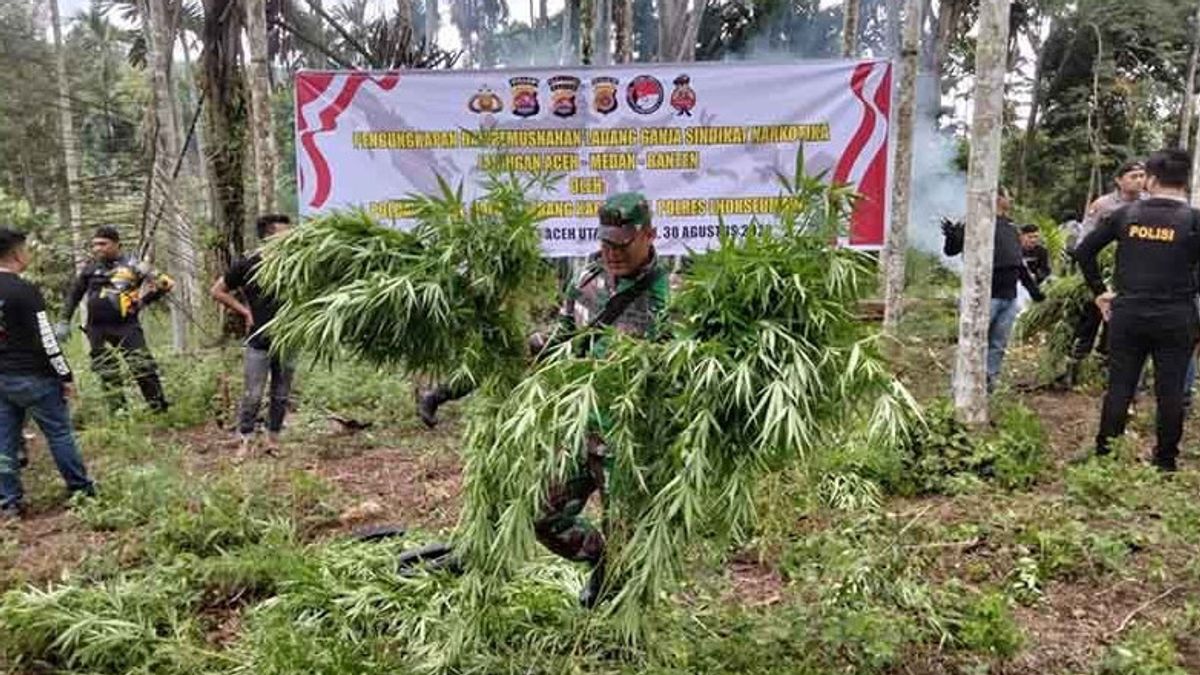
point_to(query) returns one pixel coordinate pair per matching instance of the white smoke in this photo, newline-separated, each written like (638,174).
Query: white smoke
(939,188)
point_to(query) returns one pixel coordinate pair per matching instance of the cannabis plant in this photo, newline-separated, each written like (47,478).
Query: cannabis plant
(452,295)
(765,365)
(1055,318)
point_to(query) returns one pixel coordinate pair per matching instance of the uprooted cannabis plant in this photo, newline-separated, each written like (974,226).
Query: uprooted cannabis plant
(1067,300)
(452,296)
(764,365)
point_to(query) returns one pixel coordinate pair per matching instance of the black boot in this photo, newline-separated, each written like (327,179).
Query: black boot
(594,591)
(428,402)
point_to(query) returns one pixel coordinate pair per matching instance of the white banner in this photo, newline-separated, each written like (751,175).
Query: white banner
(703,142)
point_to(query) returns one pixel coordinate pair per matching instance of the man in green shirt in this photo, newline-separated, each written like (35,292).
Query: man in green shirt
(626,288)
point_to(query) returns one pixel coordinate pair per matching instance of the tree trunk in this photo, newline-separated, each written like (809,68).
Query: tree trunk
(68,140)
(570,14)
(602,41)
(543,13)
(896,244)
(404,17)
(1188,106)
(970,373)
(687,49)
(892,32)
(623,23)
(266,157)
(197,155)
(226,118)
(160,42)
(1035,107)
(587,24)
(672,29)
(432,21)
(944,33)
(1195,186)
(850,11)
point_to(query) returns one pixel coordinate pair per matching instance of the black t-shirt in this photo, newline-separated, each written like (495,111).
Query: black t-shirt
(1008,267)
(1158,244)
(27,343)
(262,306)
(116,290)
(1037,259)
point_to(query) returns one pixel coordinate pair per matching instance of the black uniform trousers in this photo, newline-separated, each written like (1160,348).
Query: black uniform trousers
(1090,323)
(1165,331)
(112,342)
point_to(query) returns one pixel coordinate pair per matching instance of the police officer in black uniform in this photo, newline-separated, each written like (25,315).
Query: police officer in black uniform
(1152,309)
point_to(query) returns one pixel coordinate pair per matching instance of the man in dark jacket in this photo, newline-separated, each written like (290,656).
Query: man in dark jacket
(117,287)
(34,379)
(1151,310)
(1008,267)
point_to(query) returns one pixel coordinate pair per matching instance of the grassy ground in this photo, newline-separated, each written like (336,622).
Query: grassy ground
(973,554)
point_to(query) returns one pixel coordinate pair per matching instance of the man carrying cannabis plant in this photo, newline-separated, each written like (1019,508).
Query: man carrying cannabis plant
(626,289)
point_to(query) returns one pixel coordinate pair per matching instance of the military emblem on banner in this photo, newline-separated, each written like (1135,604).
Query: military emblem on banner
(485,101)
(604,94)
(563,90)
(524,96)
(683,99)
(644,94)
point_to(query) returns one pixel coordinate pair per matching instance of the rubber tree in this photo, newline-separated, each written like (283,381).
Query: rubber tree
(850,13)
(162,17)
(896,242)
(68,140)
(225,115)
(266,156)
(983,178)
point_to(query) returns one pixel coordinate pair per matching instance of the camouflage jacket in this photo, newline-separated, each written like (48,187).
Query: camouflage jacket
(591,292)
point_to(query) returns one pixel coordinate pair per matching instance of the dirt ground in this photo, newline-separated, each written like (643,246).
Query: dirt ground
(411,477)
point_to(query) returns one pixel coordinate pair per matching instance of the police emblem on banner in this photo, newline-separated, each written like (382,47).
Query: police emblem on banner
(644,94)
(563,91)
(604,94)
(524,96)
(485,101)
(683,99)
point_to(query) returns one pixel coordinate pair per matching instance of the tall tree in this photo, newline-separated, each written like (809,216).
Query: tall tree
(266,157)
(850,13)
(69,141)
(896,243)
(602,11)
(226,115)
(678,27)
(983,179)
(1187,106)
(161,17)
(570,19)
(432,22)
(623,25)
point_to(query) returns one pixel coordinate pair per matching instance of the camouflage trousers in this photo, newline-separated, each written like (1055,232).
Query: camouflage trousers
(562,527)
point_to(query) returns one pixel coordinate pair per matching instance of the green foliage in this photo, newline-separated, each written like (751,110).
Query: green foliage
(128,624)
(767,365)
(453,294)
(944,455)
(1055,318)
(986,625)
(1145,651)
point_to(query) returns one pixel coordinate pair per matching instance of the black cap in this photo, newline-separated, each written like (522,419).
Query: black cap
(107,232)
(1127,167)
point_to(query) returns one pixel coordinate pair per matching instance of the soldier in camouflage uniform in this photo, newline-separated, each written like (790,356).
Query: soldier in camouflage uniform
(626,288)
